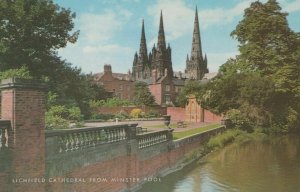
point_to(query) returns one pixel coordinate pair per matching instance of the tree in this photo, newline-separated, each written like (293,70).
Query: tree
(269,46)
(142,95)
(191,87)
(262,84)
(31,31)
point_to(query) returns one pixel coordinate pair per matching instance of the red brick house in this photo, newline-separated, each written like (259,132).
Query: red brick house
(121,85)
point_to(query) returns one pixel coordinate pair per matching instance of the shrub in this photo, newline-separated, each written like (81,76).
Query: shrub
(136,113)
(152,114)
(111,102)
(238,119)
(55,122)
(75,114)
(121,115)
(102,116)
(223,139)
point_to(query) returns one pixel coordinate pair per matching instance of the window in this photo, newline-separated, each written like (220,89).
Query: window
(168,88)
(177,89)
(121,87)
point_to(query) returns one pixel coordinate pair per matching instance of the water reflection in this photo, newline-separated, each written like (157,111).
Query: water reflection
(266,165)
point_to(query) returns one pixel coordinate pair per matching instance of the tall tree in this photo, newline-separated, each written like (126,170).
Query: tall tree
(263,81)
(31,31)
(269,46)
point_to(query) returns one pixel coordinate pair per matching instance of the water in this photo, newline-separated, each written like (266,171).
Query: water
(258,166)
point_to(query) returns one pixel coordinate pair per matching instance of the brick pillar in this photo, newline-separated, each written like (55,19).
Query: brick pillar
(23,102)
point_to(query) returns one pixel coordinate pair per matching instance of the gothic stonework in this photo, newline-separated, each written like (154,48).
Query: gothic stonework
(196,65)
(159,59)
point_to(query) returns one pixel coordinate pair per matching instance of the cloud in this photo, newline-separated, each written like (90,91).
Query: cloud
(97,28)
(175,14)
(221,16)
(215,60)
(96,44)
(292,6)
(178,16)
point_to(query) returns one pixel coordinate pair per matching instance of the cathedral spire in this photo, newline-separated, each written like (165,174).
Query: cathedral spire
(161,42)
(196,46)
(196,66)
(143,43)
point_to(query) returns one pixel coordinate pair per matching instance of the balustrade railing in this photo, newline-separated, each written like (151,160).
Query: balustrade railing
(153,138)
(77,139)
(4,127)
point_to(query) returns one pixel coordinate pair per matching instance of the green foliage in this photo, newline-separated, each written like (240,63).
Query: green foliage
(59,117)
(75,114)
(191,87)
(238,119)
(222,139)
(142,95)
(17,73)
(30,33)
(55,122)
(103,117)
(261,86)
(136,113)
(152,114)
(110,102)
(121,115)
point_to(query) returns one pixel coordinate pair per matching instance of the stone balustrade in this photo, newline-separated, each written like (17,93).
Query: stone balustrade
(4,127)
(153,138)
(69,140)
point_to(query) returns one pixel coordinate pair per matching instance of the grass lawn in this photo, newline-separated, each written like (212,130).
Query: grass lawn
(173,126)
(182,134)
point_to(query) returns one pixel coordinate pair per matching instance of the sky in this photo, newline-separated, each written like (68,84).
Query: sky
(110,30)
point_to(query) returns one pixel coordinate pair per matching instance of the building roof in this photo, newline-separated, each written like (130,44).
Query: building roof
(120,76)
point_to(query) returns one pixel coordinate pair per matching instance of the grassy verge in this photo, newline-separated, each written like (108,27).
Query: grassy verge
(182,134)
(232,135)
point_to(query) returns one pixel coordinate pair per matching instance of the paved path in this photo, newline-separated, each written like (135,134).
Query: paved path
(150,125)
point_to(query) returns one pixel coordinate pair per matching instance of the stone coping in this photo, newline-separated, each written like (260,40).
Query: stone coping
(58,132)
(23,83)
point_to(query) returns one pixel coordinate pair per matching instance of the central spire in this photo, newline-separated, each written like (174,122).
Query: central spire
(196,45)
(143,43)
(161,42)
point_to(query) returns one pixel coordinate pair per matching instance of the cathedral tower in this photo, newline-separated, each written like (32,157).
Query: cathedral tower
(196,65)
(160,57)
(141,68)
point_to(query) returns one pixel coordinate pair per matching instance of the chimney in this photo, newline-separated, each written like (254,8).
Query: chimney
(107,69)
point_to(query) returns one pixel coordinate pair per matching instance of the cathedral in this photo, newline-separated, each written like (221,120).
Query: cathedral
(159,63)
(156,69)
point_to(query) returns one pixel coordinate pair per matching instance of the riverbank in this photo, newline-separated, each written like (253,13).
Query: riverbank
(261,164)
(215,143)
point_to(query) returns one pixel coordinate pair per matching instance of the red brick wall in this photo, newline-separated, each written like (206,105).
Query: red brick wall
(211,117)
(177,113)
(114,110)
